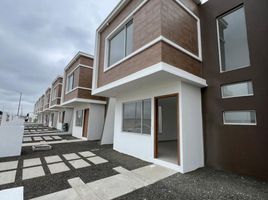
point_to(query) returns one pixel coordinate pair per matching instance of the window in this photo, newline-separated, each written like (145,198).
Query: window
(137,116)
(79,118)
(54,94)
(121,45)
(239,117)
(70,82)
(232,40)
(237,89)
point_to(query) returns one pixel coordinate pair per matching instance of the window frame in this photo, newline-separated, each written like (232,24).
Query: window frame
(67,83)
(239,124)
(115,32)
(141,117)
(236,96)
(219,38)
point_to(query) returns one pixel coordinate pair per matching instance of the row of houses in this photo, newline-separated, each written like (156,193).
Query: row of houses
(174,82)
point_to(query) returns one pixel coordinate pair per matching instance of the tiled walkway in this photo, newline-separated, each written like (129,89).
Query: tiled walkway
(111,187)
(33,168)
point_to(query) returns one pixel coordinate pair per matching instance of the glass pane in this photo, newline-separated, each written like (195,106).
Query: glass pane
(117,47)
(237,89)
(70,82)
(233,40)
(129,40)
(79,118)
(146,120)
(239,117)
(132,117)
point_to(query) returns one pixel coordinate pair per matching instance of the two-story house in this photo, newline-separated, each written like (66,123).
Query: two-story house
(55,100)
(173,105)
(149,60)
(86,111)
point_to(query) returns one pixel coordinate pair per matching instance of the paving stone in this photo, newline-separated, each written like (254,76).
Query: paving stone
(77,164)
(47,138)
(8,165)
(57,137)
(7,177)
(32,172)
(69,194)
(31,162)
(153,173)
(76,182)
(97,160)
(37,139)
(27,139)
(71,156)
(53,159)
(58,167)
(86,154)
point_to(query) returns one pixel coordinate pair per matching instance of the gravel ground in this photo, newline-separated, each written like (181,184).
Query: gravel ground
(203,184)
(55,182)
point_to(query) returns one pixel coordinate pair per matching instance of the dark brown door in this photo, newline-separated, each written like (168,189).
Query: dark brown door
(63,116)
(156,104)
(85,124)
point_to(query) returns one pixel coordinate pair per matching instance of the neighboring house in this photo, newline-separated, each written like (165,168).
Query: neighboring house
(149,59)
(174,107)
(40,114)
(46,110)
(55,100)
(88,111)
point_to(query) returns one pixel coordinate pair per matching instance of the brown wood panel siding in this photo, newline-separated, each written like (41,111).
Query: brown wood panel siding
(71,95)
(241,149)
(153,19)
(86,94)
(85,77)
(138,62)
(179,26)
(85,61)
(176,58)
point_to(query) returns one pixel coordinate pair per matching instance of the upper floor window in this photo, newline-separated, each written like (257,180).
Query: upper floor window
(232,40)
(70,82)
(54,94)
(121,44)
(237,89)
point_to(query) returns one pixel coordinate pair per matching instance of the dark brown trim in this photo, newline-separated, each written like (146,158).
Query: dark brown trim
(85,123)
(156,124)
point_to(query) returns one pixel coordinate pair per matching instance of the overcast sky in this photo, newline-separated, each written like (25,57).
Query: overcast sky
(37,40)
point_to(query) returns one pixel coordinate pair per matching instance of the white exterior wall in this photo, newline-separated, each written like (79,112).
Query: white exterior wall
(191,130)
(138,145)
(192,147)
(96,121)
(108,130)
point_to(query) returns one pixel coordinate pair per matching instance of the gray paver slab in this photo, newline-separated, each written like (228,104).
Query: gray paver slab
(31,162)
(57,168)
(8,165)
(97,160)
(7,177)
(57,137)
(27,139)
(47,138)
(86,154)
(32,172)
(37,139)
(53,159)
(71,156)
(77,164)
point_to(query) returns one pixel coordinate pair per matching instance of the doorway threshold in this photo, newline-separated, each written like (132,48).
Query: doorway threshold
(169,165)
